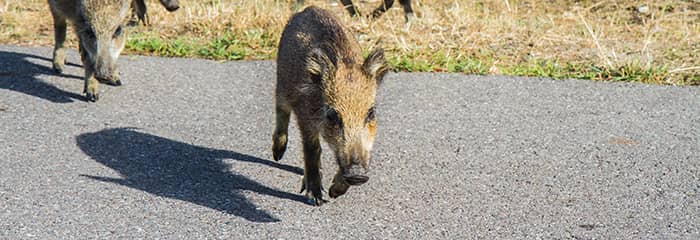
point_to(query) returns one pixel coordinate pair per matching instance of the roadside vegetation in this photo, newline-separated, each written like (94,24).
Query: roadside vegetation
(655,42)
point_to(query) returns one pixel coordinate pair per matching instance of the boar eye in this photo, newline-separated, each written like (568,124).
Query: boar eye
(370,115)
(117,32)
(333,118)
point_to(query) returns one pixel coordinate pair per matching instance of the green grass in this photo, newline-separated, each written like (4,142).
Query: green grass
(625,73)
(254,44)
(440,63)
(173,48)
(258,44)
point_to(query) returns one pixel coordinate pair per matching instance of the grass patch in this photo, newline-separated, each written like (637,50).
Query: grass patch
(653,42)
(226,47)
(158,46)
(440,63)
(626,73)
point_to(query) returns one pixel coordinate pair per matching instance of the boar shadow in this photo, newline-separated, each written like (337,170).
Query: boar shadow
(178,170)
(19,73)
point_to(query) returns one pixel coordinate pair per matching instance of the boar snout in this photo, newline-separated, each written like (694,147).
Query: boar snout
(106,60)
(355,175)
(170,5)
(106,74)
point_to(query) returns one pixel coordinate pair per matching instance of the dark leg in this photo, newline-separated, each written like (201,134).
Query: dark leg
(91,84)
(59,50)
(383,8)
(140,10)
(350,7)
(407,9)
(312,164)
(279,137)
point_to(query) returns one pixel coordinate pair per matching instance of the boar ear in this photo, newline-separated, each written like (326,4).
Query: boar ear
(319,64)
(375,65)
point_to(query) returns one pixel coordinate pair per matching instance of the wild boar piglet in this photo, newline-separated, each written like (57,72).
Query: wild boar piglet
(323,80)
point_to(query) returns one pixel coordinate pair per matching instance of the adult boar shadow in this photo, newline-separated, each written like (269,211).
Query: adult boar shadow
(19,72)
(180,171)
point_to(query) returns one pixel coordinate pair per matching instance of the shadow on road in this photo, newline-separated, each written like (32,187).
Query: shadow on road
(18,73)
(181,171)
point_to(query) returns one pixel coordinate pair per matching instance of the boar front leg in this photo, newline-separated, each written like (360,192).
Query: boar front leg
(312,163)
(91,84)
(408,10)
(386,5)
(59,51)
(279,137)
(140,10)
(350,7)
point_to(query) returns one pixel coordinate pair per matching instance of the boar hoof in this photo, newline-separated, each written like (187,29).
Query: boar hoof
(278,153)
(132,23)
(337,190)
(58,68)
(91,97)
(410,18)
(279,143)
(278,150)
(318,201)
(313,192)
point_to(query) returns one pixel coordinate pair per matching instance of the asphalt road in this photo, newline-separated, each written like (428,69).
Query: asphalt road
(182,151)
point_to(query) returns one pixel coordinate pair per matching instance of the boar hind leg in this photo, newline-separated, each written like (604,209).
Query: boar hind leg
(140,10)
(279,137)
(408,10)
(312,164)
(91,84)
(350,7)
(386,5)
(406,4)
(59,50)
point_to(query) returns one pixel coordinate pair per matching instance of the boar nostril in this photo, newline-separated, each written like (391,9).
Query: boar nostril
(355,175)
(172,8)
(356,179)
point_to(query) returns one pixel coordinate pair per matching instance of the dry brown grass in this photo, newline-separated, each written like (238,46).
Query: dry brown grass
(602,40)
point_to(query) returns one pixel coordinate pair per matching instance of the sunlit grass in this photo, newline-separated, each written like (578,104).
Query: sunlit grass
(642,41)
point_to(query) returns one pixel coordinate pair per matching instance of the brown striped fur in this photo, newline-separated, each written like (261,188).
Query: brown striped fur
(98,24)
(323,80)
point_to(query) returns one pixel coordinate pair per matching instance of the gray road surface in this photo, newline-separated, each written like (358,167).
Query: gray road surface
(181,151)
